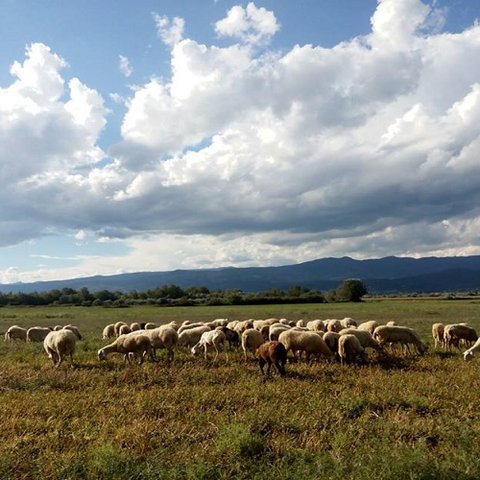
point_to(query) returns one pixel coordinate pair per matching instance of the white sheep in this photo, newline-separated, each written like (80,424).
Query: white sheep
(349,348)
(276,329)
(117,327)
(251,340)
(108,331)
(37,334)
(364,337)
(135,326)
(151,325)
(188,338)
(213,339)
(405,336)
(59,344)
(316,325)
(456,333)
(348,322)
(73,329)
(138,345)
(438,330)
(16,332)
(334,325)
(308,342)
(369,326)
(162,337)
(331,339)
(124,330)
(468,354)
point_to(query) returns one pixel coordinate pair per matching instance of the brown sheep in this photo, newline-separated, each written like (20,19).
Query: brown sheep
(272,352)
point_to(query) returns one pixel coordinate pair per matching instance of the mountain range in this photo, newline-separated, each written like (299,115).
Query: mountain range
(381,276)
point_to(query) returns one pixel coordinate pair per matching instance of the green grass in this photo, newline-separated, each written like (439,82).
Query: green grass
(411,418)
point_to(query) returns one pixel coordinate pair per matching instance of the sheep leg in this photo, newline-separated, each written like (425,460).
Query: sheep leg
(269,361)
(261,364)
(216,352)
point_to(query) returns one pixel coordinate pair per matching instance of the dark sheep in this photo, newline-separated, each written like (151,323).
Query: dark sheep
(272,352)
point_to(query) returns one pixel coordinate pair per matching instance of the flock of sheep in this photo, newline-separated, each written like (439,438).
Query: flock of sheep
(269,341)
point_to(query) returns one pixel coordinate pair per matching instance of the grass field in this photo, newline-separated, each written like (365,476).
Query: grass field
(411,418)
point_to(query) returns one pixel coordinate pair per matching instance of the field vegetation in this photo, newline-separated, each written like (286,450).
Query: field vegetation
(405,418)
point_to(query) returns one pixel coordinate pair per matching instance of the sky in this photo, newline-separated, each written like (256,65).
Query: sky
(162,135)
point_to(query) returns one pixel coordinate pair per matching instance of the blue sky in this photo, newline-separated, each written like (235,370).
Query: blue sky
(156,135)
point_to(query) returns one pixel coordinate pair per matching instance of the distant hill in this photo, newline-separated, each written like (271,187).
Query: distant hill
(383,275)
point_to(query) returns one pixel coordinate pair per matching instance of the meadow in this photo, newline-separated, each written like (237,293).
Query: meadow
(406,418)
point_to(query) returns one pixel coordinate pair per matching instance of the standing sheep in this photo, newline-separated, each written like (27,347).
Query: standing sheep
(308,342)
(405,336)
(16,332)
(369,326)
(251,340)
(213,338)
(438,330)
(365,338)
(272,352)
(349,348)
(37,334)
(468,354)
(60,344)
(138,345)
(456,333)
(188,338)
(108,331)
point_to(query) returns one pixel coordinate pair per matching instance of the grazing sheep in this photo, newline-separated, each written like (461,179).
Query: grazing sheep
(438,330)
(219,322)
(456,333)
(240,327)
(124,330)
(391,323)
(468,354)
(108,331)
(369,326)
(214,339)
(349,348)
(331,339)
(138,345)
(316,325)
(190,325)
(59,344)
(365,338)
(272,352)
(161,337)
(233,338)
(308,342)
(334,325)
(56,328)
(301,323)
(251,340)
(385,334)
(276,329)
(151,325)
(73,329)
(135,326)
(348,322)
(117,327)
(16,332)
(37,334)
(188,338)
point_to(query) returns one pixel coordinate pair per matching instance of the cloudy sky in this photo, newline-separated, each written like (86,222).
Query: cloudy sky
(156,135)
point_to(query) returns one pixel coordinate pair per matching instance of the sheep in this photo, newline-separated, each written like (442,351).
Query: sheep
(386,334)
(365,338)
(369,326)
(251,340)
(316,325)
(272,352)
(348,322)
(108,331)
(219,322)
(438,330)
(212,338)
(16,332)
(331,339)
(468,354)
(59,344)
(349,348)
(233,338)
(73,329)
(151,325)
(139,345)
(189,326)
(124,330)
(117,327)
(135,326)
(334,325)
(308,342)
(37,334)
(301,323)
(188,338)
(276,329)
(455,333)
(240,327)
(392,323)
(160,337)
(56,328)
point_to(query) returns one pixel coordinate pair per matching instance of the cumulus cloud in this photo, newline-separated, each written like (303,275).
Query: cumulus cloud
(169,30)
(245,157)
(251,25)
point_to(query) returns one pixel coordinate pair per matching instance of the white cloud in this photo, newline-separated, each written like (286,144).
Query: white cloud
(368,148)
(251,25)
(124,66)
(169,30)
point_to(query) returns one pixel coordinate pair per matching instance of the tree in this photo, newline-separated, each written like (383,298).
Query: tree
(351,290)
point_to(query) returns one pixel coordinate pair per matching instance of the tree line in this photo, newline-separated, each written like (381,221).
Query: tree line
(173,295)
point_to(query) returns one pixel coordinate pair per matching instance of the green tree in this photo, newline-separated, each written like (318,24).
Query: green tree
(351,290)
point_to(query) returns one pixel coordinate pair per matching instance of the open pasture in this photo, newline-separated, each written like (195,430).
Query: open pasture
(411,417)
